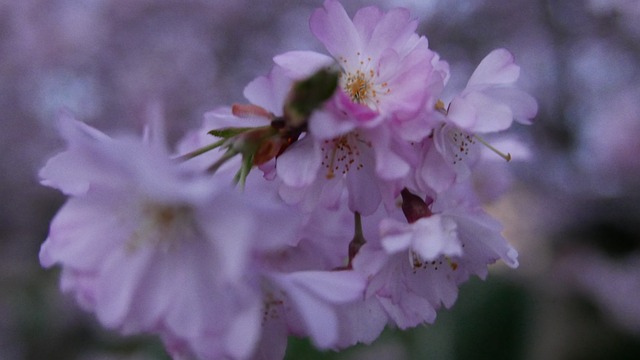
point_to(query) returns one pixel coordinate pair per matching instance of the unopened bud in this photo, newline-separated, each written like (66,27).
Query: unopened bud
(308,95)
(413,207)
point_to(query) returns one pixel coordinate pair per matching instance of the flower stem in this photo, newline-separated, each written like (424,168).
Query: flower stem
(358,238)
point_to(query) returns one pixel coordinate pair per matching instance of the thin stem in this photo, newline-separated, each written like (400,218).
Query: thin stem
(358,238)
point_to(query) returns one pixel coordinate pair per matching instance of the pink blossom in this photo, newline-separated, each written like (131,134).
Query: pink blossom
(385,64)
(150,247)
(306,286)
(388,86)
(489,103)
(416,268)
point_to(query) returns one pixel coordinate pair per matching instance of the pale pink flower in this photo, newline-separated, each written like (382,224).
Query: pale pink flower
(307,286)
(151,247)
(489,103)
(388,87)
(385,65)
(414,269)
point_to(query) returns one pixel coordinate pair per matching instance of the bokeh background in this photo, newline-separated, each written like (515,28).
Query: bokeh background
(572,211)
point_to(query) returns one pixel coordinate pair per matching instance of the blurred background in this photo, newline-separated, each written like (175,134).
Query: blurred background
(572,211)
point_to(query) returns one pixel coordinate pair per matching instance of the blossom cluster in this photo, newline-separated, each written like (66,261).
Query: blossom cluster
(340,199)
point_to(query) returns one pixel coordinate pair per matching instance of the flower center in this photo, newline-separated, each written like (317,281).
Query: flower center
(461,144)
(163,226)
(463,140)
(343,152)
(361,84)
(358,87)
(417,263)
(273,307)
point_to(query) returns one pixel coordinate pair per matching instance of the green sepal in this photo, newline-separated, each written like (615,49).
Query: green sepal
(245,168)
(230,132)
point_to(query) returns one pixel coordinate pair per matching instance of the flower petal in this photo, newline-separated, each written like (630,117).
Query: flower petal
(333,27)
(298,165)
(497,68)
(302,64)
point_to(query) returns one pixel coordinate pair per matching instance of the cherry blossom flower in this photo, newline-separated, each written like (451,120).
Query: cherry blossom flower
(308,286)
(360,140)
(489,103)
(150,247)
(415,268)
(385,64)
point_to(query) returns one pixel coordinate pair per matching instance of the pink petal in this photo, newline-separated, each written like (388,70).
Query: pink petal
(478,113)
(435,236)
(407,78)
(319,318)
(298,165)
(117,288)
(435,172)
(331,286)
(523,106)
(361,322)
(333,27)
(496,68)
(411,311)
(81,234)
(269,91)
(314,294)
(365,21)
(236,253)
(273,341)
(302,64)
(389,166)
(78,133)
(395,237)
(362,185)
(462,113)
(395,27)
(244,333)
(326,125)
